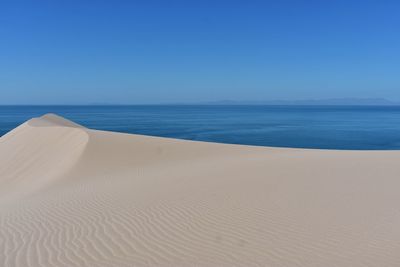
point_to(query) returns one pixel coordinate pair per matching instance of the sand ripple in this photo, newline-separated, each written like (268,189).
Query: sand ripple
(71,196)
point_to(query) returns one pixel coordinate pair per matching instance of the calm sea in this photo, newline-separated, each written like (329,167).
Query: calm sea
(333,127)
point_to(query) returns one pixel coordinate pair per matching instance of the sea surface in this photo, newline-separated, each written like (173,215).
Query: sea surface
(327,127)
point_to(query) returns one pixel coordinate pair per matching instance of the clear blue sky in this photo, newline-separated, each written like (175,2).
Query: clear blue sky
(80,51)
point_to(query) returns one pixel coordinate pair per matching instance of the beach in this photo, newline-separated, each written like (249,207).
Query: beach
(72,196)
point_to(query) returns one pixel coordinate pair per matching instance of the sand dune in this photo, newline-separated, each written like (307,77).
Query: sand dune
(71,196)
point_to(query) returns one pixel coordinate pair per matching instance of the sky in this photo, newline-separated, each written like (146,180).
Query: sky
(142,52)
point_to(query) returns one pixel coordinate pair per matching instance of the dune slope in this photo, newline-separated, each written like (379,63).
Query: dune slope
(71,196)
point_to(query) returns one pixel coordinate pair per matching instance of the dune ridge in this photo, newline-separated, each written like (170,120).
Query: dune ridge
(72,196)
(37,152)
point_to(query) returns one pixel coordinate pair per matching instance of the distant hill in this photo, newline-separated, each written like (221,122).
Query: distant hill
(332,101)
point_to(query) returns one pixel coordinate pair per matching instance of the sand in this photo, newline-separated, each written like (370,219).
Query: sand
(71,196)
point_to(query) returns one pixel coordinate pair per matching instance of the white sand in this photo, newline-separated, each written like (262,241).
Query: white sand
(70,196)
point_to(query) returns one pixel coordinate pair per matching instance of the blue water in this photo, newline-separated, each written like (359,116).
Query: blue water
(330,127)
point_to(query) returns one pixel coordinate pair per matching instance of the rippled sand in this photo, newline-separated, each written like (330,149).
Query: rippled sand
(71,196)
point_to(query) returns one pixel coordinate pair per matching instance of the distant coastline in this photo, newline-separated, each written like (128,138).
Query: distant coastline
(316,102)
(300,102)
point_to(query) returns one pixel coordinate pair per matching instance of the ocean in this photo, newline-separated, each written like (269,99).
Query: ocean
(325,127)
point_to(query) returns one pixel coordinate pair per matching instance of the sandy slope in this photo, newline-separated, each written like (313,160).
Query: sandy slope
(70,196)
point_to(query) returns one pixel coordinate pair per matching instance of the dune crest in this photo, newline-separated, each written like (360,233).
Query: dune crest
(72,196)
(53,120)
(38,152)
